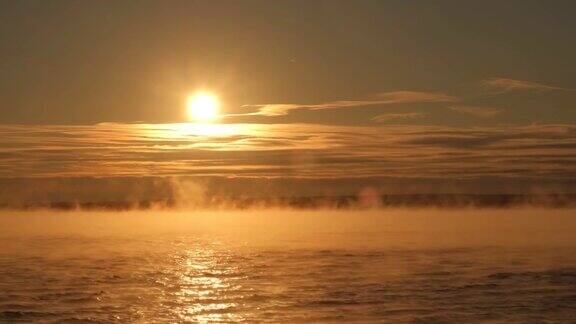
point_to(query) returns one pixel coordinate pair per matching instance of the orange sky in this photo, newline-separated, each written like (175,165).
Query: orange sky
(353,92)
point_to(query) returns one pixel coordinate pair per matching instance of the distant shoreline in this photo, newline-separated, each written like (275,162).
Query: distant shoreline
(318,202)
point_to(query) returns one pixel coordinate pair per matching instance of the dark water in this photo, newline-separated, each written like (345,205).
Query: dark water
(313,266)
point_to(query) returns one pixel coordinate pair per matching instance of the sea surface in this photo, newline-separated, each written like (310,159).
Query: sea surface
(428,266)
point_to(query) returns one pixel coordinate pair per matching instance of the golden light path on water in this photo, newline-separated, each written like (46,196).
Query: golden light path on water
(203,283)
(209,288)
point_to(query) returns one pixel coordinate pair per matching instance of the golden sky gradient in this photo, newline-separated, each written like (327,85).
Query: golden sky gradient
(371,92)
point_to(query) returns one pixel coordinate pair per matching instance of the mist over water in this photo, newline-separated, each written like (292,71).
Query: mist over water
(285,265)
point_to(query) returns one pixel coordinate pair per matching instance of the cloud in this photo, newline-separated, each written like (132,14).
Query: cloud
(385,98)
(415,97)
(503,85)
(494,85)
(476,111)
(398,116)
(287,151)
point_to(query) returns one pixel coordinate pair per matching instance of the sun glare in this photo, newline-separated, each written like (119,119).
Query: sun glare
(203,107)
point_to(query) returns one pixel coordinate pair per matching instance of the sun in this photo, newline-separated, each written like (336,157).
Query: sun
(203,107)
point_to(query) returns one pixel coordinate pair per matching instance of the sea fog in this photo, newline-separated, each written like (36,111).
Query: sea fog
(401,265)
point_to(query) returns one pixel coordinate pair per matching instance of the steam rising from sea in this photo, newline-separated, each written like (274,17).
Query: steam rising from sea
(184,193)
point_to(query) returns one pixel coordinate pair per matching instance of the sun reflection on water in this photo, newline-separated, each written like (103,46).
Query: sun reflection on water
(209,287)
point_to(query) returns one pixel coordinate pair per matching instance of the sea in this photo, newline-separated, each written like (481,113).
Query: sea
(408,265)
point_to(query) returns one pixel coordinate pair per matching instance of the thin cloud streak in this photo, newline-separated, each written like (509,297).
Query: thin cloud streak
(477,111)
(503,85)
(385,98)
(415,97)
(398,116)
